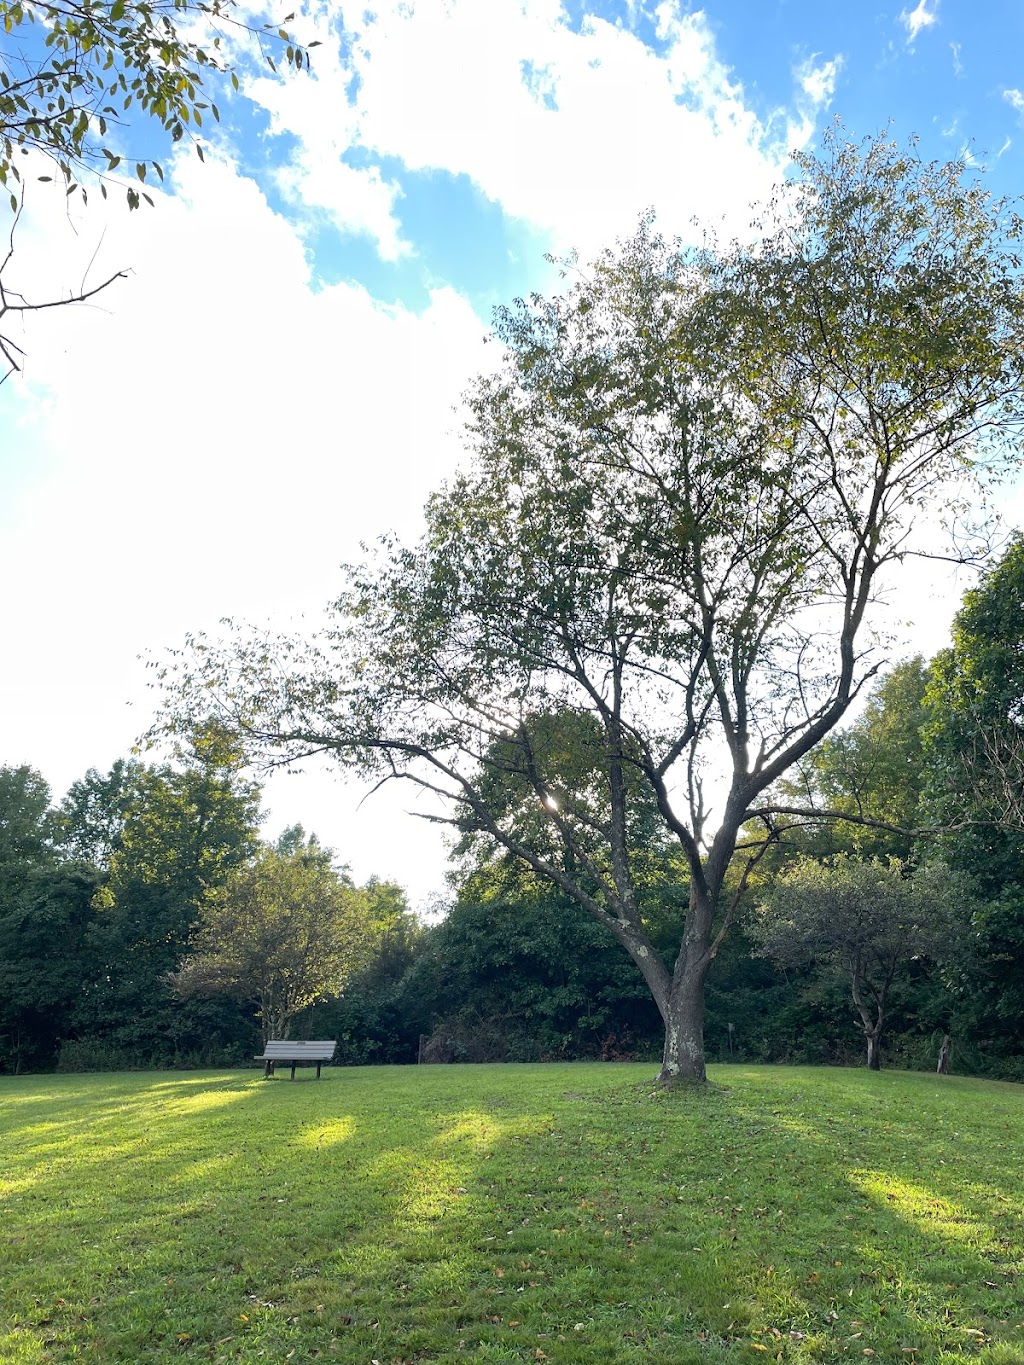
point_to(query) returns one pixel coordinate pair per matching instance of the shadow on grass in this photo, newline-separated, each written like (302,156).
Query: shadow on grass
(572,1214)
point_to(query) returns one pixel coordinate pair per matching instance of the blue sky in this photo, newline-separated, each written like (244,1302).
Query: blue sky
(278,377)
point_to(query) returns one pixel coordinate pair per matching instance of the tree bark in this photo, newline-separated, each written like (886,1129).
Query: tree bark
(943,1067)
(874,1052)
(683,1058)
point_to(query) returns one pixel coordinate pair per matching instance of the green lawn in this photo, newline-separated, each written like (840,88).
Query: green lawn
(511,1213)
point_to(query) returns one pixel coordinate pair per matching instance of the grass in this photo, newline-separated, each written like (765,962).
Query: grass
(567,1214)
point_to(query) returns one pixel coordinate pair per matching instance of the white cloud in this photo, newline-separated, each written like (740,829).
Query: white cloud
(574,132)
(917,19)
(316,111)
(818,81)
(214,440)
(1015,99)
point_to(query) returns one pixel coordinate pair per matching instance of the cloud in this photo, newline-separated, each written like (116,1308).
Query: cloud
(214,438)
(917,19)
(818,81)
(1015,99)
(573,130)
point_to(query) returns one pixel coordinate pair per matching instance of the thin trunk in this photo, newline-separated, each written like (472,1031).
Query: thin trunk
(872,1025)
(943,1066)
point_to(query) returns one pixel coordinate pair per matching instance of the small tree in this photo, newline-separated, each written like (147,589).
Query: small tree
(284,933)
(864,921)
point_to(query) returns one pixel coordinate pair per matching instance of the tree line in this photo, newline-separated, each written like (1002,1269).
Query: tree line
(144,922)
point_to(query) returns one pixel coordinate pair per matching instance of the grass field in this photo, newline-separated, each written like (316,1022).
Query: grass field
(516,1213)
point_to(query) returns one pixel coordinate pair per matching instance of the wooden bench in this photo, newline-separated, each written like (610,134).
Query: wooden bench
(296,1054)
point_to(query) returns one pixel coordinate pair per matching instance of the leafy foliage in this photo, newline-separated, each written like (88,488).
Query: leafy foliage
(974,747)
(73,71)
(865,920)
(282,933)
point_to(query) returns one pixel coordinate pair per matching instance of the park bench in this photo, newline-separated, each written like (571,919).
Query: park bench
(296,1054)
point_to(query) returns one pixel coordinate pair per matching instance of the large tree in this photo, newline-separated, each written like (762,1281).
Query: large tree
(166,837)
(690,477)
(974,744)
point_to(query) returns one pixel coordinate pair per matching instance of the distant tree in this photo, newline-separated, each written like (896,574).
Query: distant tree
(691,477)
(381,1012)
(283,933)
(45,962)
(94,811)
(974,750)
(864,920)
(174,832)
(872,770)
(28,826)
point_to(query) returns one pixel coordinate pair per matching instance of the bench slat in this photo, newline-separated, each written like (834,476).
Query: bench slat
(280,1050)
(313,1053)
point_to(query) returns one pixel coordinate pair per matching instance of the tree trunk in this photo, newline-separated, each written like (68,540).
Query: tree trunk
(943,1067)
(874,1052)
(683,1059)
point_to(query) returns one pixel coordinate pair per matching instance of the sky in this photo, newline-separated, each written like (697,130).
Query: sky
(277,378)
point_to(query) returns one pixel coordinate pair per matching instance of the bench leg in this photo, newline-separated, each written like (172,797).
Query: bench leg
(318,1070)
(267,1070)
(293,1071)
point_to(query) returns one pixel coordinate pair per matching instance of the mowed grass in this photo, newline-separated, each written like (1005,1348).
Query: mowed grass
(513,1213)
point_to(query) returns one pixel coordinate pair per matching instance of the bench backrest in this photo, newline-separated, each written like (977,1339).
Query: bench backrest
(280,1050)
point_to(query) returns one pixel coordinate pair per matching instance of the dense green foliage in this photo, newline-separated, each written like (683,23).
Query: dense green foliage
(105,899)
(570,1214)
(284,932)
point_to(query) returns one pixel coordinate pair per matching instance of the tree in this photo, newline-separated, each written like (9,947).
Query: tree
(285,932)
(863,920)
(974,746)
(94,811)
(72,71)
(27,828)
(690,477)
(45,962)
(168,836)
(975,706)
(872,770)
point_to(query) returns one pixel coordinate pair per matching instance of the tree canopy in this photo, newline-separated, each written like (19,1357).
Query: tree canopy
(866,920)
(283,933)
(72,72)
(688,481)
